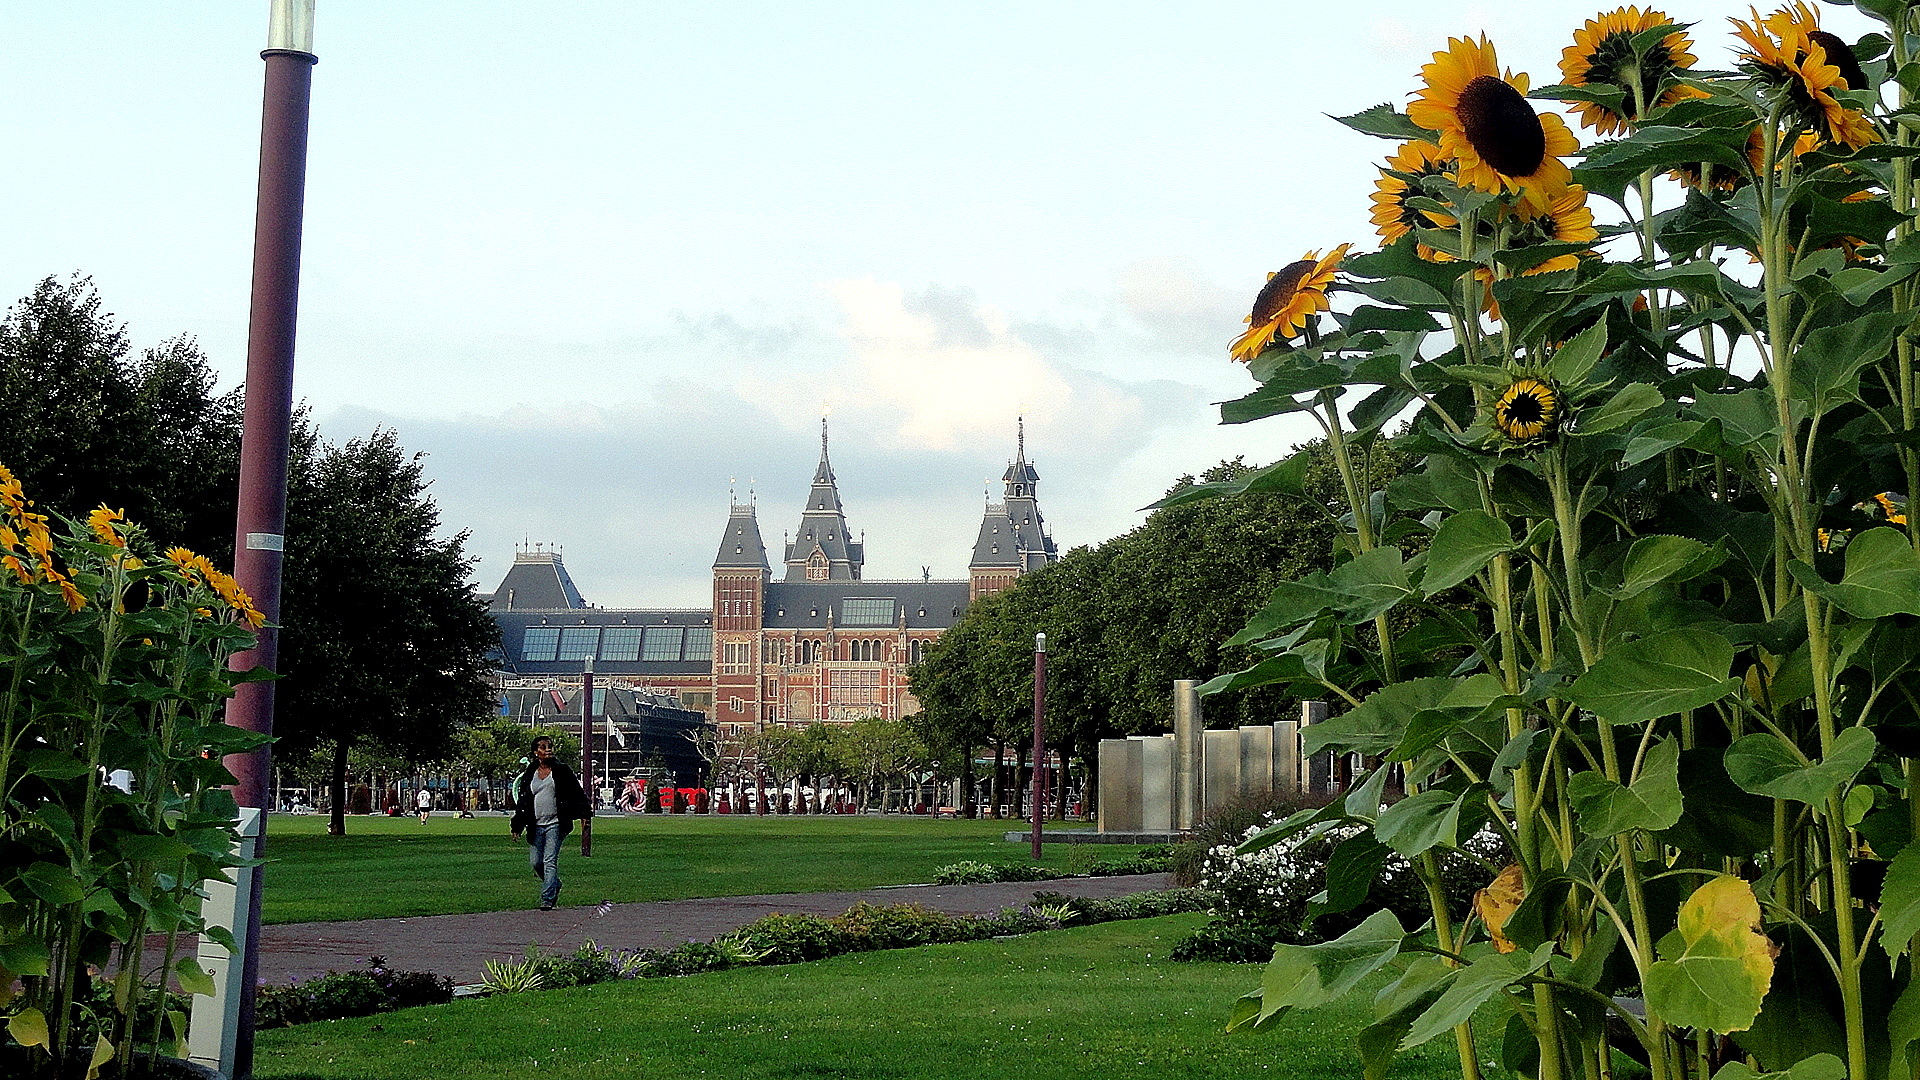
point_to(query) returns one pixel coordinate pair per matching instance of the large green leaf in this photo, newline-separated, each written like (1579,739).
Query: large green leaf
(1826,369)
(1474,986)
(53,883)
(1746,418)
(1303,976)
(1717,973)
(1421,822)
(1903,1029)
(1379,723)
(1285,477)
(1367,585)
(1763,764)
(1384,121)
(1653,560)
(1657,676)
(1462,545)
(1882,576)
(1900,902)
(1652,802)
(1817,1067)
(1572,361)
(1630,403)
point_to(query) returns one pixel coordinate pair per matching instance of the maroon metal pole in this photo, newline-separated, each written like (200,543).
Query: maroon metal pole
(260,523)
(1038,798)
(586,758)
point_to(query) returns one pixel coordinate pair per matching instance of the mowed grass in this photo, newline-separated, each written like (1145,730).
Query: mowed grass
(1101,1001)
(396,867)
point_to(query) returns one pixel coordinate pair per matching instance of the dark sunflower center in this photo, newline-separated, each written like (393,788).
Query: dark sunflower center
(1279,289)
(1840,56)
(1501,127)
(1526,408)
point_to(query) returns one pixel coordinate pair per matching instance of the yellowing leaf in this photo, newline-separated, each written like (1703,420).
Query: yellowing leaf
(1725,963)
(29,1028)
(102,1053)
(1498,901)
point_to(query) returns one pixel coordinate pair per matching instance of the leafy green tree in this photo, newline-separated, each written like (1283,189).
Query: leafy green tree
(90,422)
(385,640)
(874,751)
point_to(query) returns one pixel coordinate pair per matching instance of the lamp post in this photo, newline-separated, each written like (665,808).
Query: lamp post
(1039,737)
(586,756)
(261,519)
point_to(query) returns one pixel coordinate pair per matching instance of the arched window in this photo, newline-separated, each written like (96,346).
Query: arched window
(817,566)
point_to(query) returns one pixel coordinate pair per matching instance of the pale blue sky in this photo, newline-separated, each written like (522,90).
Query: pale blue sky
(597,259)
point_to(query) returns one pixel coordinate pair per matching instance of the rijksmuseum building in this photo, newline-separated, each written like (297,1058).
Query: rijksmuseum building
(815,640)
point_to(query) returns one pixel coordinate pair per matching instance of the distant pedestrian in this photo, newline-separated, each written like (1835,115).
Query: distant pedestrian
(547,801)
(424,801)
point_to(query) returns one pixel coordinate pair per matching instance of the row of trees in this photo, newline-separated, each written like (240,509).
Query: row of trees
(875,758)
(1127,618)
(385,640)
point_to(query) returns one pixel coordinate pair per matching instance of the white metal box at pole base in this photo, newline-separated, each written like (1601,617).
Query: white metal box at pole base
(214,1030)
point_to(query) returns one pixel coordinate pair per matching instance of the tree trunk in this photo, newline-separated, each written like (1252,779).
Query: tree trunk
(1060,796)
(337,789)
(968,808)
(999,771)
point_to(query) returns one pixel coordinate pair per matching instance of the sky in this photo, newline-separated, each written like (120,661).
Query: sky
(608,264)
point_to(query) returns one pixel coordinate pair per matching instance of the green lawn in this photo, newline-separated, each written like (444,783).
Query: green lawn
(1100,1001)
(394,867)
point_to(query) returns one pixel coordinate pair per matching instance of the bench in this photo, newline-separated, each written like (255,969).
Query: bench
(946,811)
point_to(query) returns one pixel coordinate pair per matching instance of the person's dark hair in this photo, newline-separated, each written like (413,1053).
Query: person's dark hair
(537,740)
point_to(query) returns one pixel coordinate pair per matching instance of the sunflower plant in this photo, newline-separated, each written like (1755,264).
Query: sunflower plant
(112,811)
(1663,392)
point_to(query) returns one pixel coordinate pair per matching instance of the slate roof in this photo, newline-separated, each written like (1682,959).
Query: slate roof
(537,580)
(823,529)
(740,544)
(1012,533)
(812,605)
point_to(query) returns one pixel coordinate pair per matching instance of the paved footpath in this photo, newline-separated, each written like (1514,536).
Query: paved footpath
(459,946)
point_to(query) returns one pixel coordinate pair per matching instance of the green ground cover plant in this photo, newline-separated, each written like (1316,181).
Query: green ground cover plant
(1099,1001)
(401,868)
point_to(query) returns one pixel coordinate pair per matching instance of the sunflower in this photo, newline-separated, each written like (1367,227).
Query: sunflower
(1602,54)
(1566,220)
(101,520)
(1894,511)
(1527,410)
(1484,121)
(1783,54)
(1291,296)
(1399,181)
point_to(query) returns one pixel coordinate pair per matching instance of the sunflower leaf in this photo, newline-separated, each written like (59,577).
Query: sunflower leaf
(1723,964)
(1657,676)
(1384,121)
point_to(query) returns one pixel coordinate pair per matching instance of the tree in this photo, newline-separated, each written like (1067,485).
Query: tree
(874,750)
(89,422)
(385,640)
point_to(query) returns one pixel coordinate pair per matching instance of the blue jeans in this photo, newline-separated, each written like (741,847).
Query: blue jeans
(543,854)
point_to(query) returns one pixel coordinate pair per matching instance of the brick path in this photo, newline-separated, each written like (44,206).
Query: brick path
(459,945)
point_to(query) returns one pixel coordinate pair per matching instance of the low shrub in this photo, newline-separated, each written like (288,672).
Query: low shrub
(1229,825)
(338,995)
(691,958)
(1227,942)
(1272,891)
(900,926)
(792,939)
(1157,859)
(979,873)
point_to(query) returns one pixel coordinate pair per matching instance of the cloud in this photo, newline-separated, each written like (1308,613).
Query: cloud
(634,486)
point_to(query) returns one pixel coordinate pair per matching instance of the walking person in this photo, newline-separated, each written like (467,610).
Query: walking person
(547,802)
(424,800)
